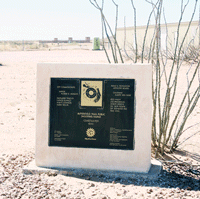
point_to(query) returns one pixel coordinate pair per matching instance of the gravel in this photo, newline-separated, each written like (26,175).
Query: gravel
(178,180)
(17,122)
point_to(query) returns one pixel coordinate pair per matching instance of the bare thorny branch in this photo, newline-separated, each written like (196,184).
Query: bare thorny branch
(170,93)
(116,20)
(106,27)
(174,85)
(163,126)
(135,32)
(147,26)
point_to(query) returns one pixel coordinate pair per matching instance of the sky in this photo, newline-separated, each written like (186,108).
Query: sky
(46,20)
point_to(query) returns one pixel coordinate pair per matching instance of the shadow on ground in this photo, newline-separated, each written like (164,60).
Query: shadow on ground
(179,175)
(167,179)
(176,174)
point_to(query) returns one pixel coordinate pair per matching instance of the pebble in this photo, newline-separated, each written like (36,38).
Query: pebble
(14,184)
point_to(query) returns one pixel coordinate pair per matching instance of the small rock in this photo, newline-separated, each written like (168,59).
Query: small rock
(51,173)
(149,191)
(63,195)
(13,158)
(92,185)
(124,192)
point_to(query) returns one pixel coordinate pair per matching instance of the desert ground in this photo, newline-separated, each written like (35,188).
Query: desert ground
(181,171)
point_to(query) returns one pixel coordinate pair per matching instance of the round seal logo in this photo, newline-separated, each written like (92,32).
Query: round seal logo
(91,93)
(90,132)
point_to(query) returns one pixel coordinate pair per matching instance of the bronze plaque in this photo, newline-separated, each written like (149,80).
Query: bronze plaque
(92,113)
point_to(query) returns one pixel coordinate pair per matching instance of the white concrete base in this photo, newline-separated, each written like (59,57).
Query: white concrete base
(137,160)
(155,170)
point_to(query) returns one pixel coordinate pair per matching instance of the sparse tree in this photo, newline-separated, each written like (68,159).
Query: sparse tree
(168,119)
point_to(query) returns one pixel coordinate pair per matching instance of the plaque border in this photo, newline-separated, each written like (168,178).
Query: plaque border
(52,143)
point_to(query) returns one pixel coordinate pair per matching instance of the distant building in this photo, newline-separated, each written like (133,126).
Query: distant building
(168,34)
(70,40)
(87,39)
(56,40)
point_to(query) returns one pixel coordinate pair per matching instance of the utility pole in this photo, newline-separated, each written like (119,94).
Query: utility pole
(23,44)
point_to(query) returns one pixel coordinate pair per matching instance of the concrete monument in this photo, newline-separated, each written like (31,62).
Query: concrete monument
(94,116)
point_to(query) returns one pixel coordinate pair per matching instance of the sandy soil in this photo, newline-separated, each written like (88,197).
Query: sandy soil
(18,96)
(18,100)
(18,93)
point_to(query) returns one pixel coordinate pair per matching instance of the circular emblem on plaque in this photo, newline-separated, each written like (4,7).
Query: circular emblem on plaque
(90,132)
(91,93)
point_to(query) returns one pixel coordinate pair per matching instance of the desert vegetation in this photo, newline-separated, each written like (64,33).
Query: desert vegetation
(170,113)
